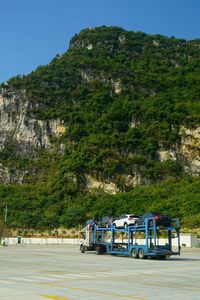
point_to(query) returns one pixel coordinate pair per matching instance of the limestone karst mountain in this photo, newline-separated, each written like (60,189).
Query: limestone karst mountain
(117,110)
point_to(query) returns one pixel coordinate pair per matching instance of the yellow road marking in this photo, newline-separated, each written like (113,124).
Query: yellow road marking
(92,291)
(55,297)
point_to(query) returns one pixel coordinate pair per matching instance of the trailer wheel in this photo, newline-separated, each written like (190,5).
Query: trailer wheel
(163,257)
(98,250)
(134,253)
(141,253)
(82,248)
(103,250)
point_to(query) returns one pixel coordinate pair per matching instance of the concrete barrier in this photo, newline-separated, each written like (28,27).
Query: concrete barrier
(39,241)
(186,240)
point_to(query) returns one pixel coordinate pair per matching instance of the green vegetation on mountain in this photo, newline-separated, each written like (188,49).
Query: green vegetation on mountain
(41,207)
(122,97)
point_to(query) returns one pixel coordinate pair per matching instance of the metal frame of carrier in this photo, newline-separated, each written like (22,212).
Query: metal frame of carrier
(141,241)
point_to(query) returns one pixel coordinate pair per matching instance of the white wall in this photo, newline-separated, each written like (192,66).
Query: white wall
(39,241)
(186,239)
(189,240)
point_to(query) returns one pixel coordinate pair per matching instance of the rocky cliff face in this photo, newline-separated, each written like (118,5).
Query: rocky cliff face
(19,127)
(190,149)
(25,133)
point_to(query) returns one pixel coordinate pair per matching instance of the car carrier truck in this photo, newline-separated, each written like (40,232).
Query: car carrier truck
(139,241)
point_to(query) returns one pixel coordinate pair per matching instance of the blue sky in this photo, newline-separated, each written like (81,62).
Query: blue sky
(33,31)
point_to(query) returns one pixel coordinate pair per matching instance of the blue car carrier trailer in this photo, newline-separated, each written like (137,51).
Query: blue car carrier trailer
(138,241)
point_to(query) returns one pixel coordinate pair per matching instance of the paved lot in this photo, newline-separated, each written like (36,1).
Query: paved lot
(63,273)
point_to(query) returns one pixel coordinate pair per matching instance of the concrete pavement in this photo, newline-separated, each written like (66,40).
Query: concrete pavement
(62,273)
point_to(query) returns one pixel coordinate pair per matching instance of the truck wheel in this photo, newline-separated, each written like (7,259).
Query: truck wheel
(82,249)
(134,253)
(141,253)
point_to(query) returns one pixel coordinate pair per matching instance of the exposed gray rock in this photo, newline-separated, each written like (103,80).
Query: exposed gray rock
(12,175)
(190,149)
(18,125)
